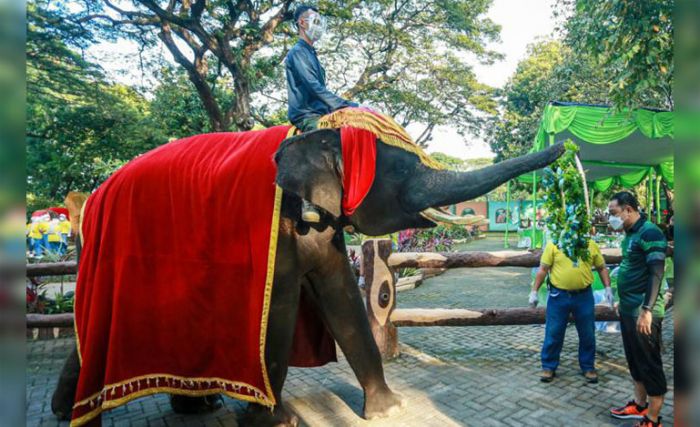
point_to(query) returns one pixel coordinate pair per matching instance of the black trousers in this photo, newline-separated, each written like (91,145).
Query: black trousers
(643,353)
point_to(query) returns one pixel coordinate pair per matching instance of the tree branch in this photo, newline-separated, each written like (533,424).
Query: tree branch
(197,77)
(267,31)
(188,23)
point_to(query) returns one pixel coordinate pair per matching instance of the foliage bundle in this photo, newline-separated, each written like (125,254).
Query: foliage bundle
(568,222)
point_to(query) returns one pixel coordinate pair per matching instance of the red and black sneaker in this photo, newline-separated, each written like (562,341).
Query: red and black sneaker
(646,422)
(630,411)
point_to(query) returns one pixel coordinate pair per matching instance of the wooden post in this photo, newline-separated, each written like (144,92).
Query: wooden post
(381,295)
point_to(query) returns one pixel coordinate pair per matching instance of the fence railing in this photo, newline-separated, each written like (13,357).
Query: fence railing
(379,264)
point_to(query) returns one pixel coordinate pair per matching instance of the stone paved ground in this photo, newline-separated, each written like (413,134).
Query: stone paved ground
(476,376)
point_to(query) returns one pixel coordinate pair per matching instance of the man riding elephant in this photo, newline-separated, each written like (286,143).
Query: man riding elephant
(307,95)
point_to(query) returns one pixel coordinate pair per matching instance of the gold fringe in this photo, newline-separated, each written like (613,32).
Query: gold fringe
(386,129)
(111,404)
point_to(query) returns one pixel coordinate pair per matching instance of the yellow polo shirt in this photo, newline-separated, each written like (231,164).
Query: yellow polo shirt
(36,231)
(54,233)
(562,272)
(64,227)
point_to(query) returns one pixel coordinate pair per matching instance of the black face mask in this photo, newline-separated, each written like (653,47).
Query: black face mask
(669,233)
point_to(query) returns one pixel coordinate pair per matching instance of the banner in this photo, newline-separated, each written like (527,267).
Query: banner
(498,216)
(520,215)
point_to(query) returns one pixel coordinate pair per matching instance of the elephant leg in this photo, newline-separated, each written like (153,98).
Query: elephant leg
(64,394)
(335,290)
(280,333)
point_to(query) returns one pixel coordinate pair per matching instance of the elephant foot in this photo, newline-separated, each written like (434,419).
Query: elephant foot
(62,403)
(62,408)
(382,404)
(258,415)
(64,394)
(195,405)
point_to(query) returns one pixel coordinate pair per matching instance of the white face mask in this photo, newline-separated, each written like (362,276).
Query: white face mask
(316,26)
(615,222)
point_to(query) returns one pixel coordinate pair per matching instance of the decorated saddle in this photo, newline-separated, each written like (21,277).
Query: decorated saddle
(176,271)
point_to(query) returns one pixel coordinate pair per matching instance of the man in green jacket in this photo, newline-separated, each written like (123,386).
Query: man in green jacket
(641,308)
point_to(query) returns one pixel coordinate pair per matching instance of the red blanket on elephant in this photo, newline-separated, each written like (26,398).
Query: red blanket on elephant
(175,276)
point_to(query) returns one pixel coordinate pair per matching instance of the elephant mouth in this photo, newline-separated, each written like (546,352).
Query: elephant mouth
(439,216)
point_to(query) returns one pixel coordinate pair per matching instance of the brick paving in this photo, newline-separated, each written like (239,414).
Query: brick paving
(450,376)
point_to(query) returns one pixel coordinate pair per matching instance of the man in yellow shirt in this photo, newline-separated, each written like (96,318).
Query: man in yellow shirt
(570,293)
(44,229)
(54,236)
(33,235)
(64,229)
(37,235)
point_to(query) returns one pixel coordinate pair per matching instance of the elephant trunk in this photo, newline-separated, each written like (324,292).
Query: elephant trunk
(442,188)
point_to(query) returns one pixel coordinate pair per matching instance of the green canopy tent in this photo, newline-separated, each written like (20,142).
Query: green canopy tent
(616,148)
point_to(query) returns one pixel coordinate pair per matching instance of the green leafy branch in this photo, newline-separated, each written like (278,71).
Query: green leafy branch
(568,223)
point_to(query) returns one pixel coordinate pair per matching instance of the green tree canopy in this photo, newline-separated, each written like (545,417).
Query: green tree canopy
(631,40)
(79,127)
(550,72)
(409,59)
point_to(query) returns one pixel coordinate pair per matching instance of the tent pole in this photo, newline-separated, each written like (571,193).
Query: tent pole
(657,202)
(508,219)
(649,191)
(534,209)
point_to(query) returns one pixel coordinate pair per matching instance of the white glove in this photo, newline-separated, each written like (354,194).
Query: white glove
(609,297)
(533,299)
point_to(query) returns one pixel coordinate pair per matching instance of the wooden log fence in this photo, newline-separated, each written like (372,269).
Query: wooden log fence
(479,259)
(63,320)
(379,264)
(52,268)
(480,317)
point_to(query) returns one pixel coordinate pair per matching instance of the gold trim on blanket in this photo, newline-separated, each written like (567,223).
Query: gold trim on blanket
(82,243)
(271,254)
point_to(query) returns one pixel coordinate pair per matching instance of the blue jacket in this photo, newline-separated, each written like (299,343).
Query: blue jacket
(306,86)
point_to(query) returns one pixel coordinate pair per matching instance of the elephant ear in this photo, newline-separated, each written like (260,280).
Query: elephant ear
(310,166)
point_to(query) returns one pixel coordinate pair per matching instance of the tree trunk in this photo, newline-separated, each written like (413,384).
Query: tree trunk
(242,116)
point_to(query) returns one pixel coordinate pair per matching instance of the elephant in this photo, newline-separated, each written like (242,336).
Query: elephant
(312,258)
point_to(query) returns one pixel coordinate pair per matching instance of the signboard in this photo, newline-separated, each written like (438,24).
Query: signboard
(499,218)
(520,215)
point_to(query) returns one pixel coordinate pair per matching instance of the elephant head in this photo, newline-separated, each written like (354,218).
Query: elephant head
(310,165)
